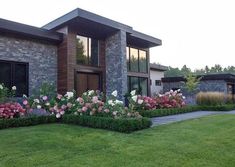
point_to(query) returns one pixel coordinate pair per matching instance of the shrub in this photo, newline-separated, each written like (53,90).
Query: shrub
(125,125)
(11,110)
(6,93)
(211,98)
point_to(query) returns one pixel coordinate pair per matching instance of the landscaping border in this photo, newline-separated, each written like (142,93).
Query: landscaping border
(125,125)
(173,111)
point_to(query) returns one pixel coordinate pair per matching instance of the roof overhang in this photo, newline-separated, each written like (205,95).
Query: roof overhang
(9,27)
(98,26)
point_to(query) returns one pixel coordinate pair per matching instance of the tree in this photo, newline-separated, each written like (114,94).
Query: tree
(191,83)
(185,70)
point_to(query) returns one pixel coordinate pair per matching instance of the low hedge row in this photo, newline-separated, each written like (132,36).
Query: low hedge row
(126,125)
(173,111)
(120,125)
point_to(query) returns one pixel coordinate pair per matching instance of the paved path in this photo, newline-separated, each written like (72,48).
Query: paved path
(181,117)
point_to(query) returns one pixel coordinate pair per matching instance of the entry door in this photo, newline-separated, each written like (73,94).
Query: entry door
(87,81)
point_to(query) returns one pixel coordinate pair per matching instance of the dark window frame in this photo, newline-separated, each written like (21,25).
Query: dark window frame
(12,77)
(129,56)
(88,40)
(139,78)
(158,83)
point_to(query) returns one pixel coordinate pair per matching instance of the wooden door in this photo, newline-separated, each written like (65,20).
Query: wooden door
(87,81)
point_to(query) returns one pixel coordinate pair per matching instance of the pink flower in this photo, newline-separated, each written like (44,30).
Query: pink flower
(44,98)
(69,105)
(94,99)
(106,110)
(25,102)
(84,109)
(100,109)
(59,96)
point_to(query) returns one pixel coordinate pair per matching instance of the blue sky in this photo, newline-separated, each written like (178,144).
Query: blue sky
(194,32)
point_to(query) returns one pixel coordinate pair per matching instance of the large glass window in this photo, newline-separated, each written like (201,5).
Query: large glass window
(136,60)
(139,84)
(87,51)
(14,74)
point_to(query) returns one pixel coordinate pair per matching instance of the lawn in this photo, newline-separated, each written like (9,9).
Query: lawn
(208,141)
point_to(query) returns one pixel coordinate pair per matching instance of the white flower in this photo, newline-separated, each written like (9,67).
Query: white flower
(178,90)
(90,92)
(119,102)
(1,87)
(115,113)
(69,95)
(133,92)
(24,96)
(171,91)
(134,98)
(58,115)
(140,101)
(183,97)
(110,102)
(36,101)
(62,112)
(47,104)
(13,88)
(39,107)
(115,93)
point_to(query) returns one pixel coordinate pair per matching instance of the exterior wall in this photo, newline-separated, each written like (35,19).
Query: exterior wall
(205,86)
(116,68)
(156,75)
(42,59)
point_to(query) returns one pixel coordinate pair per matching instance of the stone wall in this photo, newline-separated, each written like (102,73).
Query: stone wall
(116,69)
(42,59)
(204,86)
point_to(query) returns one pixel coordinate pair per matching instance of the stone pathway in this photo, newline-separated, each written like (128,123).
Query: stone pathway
(181,117)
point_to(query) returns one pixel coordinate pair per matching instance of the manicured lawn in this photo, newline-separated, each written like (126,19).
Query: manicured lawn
(208,141)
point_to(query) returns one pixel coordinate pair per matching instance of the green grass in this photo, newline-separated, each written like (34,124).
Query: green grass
(208,141)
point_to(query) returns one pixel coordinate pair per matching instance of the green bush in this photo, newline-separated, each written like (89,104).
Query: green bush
(19,122)
(173,111)
(125,125)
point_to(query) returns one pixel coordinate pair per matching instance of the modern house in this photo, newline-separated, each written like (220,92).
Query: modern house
(208,83)
(80,51)
(156,74)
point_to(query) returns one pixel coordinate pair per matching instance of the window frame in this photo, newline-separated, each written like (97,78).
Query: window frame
(88,41)
(12,71)
(158,81)
(129,56)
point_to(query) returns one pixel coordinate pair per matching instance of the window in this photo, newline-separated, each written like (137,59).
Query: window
(15,74)
(158,83)
(139,84)
(136,60)
(87,51)
(150,81)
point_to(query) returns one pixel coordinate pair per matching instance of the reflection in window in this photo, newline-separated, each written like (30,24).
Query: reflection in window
(139,84)
(134,60)
(137,60)
(87,51)
(143,61)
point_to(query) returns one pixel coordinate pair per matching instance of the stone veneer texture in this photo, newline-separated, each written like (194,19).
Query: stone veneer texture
(116,69)
(42,59)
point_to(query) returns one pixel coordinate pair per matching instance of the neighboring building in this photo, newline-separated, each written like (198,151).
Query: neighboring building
(208,83)
(79,51)
(156,74)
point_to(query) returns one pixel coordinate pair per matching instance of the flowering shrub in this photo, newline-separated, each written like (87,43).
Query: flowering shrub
(171,99)
(6,93)
(11,110)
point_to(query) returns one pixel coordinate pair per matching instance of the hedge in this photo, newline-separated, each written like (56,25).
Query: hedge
(125,125)
(120,125)
(173,111)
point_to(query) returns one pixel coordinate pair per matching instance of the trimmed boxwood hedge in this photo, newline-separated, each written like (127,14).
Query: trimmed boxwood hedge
(125,125)
(173,111)
(120,125)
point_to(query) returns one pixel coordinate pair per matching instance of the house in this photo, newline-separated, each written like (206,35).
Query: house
(80,51)
(156,74)
(208,83)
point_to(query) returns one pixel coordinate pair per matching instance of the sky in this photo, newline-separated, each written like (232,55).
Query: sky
(193,32)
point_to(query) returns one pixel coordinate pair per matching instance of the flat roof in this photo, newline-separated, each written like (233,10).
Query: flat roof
(83,14)
(158,67)
(226,77)
(9,27)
